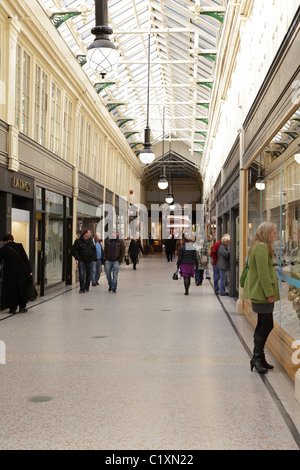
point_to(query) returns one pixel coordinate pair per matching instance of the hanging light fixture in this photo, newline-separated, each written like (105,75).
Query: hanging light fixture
(147,155)
(170,198)
(163,182)
(260,184)
(102,53)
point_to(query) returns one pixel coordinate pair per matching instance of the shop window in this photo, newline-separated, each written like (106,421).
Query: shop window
(80,142)
(67,129)
(53,238)
(22,96)
(279,202)
(41,105)
(55,126)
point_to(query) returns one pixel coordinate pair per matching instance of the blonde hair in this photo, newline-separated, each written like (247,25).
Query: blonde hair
(263,235)
(225,238)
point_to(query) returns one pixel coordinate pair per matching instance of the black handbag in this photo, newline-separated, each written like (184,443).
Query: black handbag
(175,276)
(31,290)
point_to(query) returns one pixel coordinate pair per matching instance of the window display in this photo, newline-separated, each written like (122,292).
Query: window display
(278,167)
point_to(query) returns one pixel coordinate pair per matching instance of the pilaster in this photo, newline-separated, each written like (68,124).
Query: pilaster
(13,148)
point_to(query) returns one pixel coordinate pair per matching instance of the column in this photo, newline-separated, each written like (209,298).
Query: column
(11,33)
(243,214)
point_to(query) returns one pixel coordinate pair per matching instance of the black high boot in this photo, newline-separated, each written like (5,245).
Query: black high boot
(186,285)
(257,359)
(265,363)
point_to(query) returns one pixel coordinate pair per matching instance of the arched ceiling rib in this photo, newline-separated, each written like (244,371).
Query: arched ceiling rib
(183,52)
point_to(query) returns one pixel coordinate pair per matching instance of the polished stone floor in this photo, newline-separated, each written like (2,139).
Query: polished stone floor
(145,368)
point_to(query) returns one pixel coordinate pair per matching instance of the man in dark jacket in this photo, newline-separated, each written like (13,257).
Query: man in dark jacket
(84,252)
(134,248)
(17,270)
(114,251)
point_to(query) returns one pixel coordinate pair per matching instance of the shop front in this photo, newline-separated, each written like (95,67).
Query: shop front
(228,222)
(274,195)
(17,208)
(53,238)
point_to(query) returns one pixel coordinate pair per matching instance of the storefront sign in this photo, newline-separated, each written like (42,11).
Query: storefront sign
(21,184)
(229,200)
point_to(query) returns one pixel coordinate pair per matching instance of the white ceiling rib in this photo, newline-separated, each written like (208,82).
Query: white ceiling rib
(178,37)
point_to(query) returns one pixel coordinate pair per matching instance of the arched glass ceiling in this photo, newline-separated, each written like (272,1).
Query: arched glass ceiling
(183,54)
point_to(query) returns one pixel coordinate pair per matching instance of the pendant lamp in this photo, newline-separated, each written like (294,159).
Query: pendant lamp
(170,198)
(260,184)
(147,155)
(102,53)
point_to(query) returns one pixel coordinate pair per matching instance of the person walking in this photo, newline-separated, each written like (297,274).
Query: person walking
(202,255)
(223,262)
(169,248)
(134,248)
(97,265)
(16,272)
(114,250)
(151,244)
(186,262)
(261,287)
(84,251)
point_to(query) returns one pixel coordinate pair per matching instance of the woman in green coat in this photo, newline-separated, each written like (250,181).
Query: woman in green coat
(261,287)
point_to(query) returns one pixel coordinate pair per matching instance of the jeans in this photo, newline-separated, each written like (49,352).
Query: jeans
(207,270)
(85,274)
(96,272)
(112,271)
(223,275)
(216,277)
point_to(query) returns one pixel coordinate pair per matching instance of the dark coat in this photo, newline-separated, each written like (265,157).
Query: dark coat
(187,255)
(119,249)
(134,248)
(15,274)
(169,244)
(223,257)
(84,250)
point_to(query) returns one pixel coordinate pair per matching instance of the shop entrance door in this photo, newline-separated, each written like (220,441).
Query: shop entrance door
(20,227)
(40,252)
(68,256)
(234,253)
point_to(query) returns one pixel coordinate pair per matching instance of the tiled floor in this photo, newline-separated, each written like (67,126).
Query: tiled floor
(146,368)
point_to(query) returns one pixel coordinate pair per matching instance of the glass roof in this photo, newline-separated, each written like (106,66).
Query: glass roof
(177,36)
